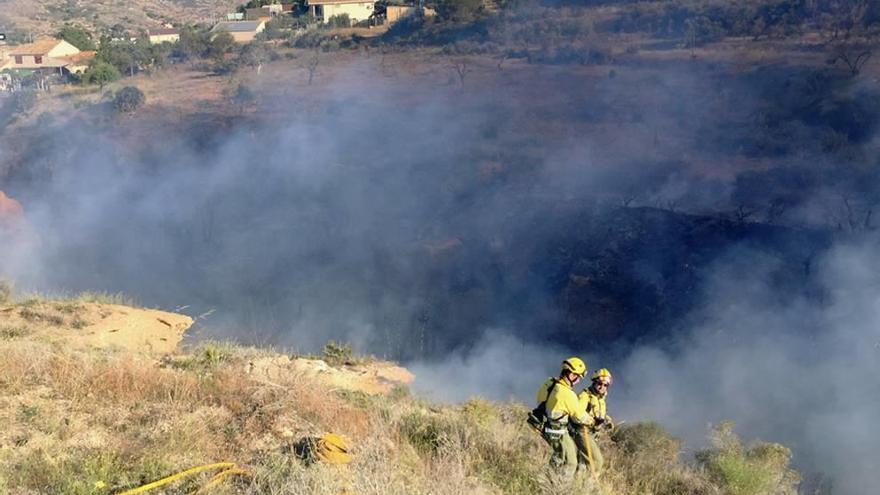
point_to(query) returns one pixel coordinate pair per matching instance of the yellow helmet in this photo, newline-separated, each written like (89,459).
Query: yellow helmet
(603,373)
(575,365)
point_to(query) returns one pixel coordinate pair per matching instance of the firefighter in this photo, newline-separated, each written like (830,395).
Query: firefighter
(592,399)
(565,416)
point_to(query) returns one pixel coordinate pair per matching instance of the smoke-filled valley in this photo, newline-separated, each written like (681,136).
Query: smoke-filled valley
(703,225)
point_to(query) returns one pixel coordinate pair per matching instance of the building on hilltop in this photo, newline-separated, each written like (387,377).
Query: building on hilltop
(47,55)
(241,31)
(163,35)
(356,10)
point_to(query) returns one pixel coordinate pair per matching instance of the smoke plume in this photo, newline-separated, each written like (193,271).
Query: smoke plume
(455,232)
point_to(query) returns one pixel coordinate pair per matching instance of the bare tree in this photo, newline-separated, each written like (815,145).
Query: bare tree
(312,66)
(852,56)
(383,50)
(691,37)
(462,68)
(384,64)
(852,211)
(845,19)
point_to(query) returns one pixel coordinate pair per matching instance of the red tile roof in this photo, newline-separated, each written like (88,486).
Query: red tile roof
(39,47)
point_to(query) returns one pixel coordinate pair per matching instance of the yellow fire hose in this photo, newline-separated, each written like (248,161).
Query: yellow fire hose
(227,469)
(217,479)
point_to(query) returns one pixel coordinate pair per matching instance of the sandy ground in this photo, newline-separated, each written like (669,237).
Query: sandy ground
(374,378)
(90,325)
(93,325)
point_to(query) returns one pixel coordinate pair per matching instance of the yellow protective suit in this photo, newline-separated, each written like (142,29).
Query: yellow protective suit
(594,404)
(565,417)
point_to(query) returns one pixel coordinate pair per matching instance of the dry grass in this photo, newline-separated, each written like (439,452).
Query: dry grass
(96,422)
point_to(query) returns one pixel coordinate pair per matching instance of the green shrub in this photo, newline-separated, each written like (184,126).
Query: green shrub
(100,73)
(427,433)
(339,21)
(83,472)
(460,10)
(212,355)
(76,36)
(309,39)
(647,439)
(204,359)
(242,97)
(128,99)
(337,353)
(479,411)
(762,469)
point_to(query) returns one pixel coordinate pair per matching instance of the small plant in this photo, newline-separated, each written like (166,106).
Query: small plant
(87,473)
(337,353)
(27,413)
(212,355)
(55,320)
(30,314)
(5,291)
(399,392)
(480,411)
(31,302)
(68,307)
(358,398)
(105,298)
(9,332)
(426,433)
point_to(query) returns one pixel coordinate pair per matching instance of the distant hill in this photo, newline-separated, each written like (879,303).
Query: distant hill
(44,17)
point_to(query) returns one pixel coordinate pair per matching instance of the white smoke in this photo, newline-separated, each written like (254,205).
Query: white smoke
(786,369)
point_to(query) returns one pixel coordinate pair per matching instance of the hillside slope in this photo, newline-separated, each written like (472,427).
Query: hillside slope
(43,18)
(82,419)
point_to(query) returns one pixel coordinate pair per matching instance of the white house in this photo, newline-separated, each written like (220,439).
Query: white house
(163,35)
(241,31)
(357,10)
(47,54)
